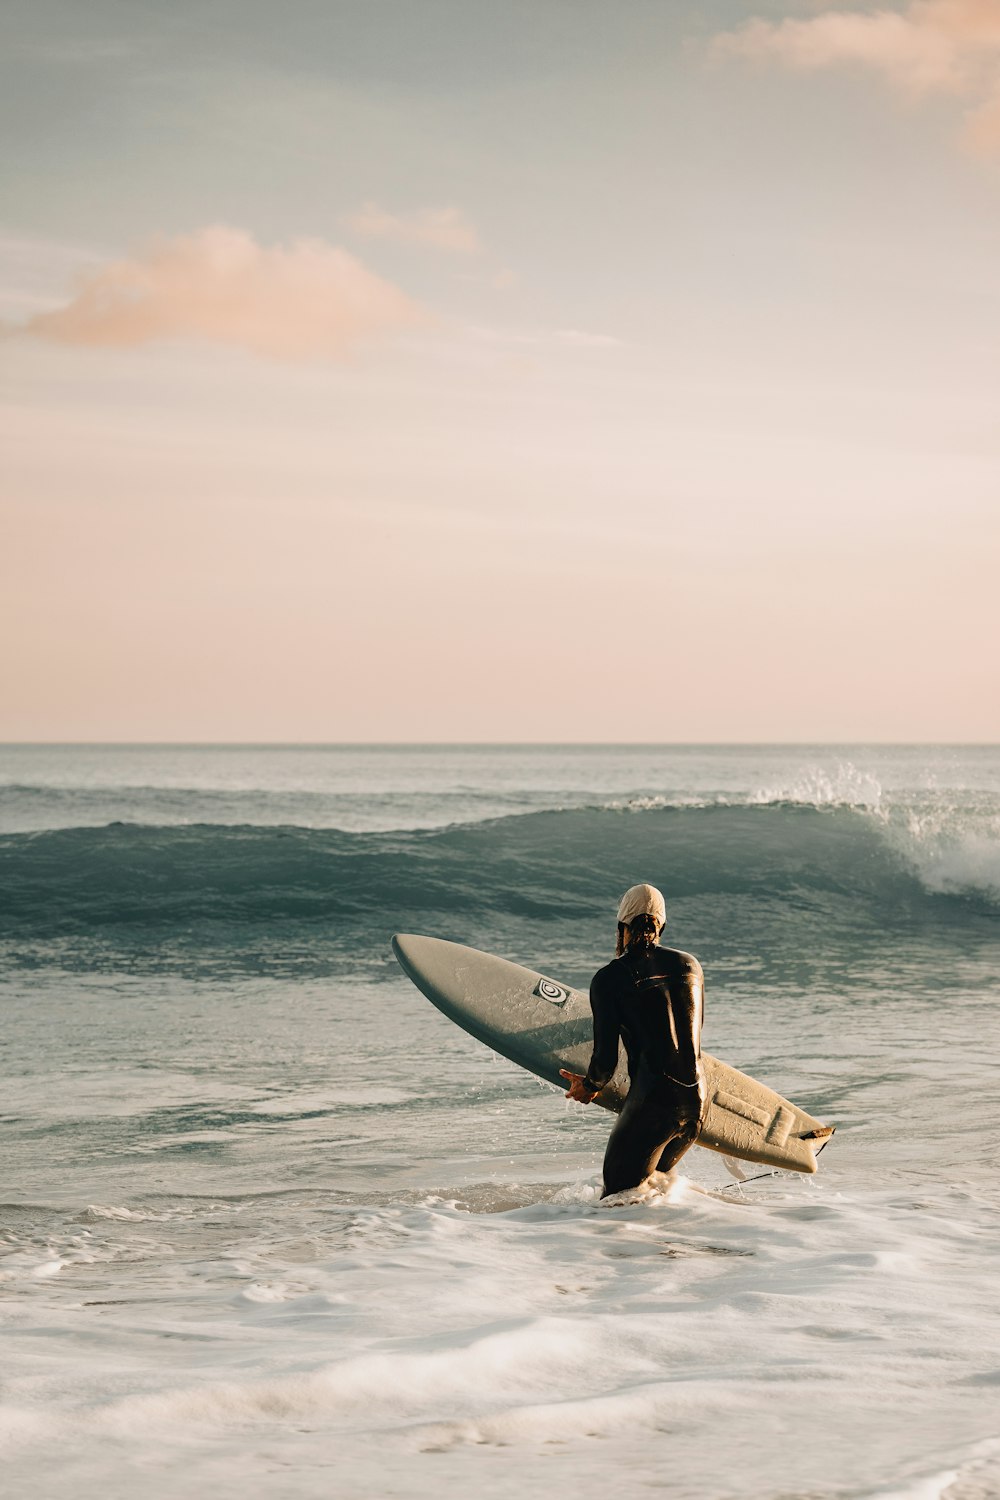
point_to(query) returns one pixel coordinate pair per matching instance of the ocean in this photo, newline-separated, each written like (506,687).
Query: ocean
(273,1227)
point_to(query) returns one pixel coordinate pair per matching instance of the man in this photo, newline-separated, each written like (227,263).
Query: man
(653,998)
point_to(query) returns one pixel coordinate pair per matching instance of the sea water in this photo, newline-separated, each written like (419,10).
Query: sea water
(273,1227)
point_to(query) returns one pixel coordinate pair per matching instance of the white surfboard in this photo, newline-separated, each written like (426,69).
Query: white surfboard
(543,1026)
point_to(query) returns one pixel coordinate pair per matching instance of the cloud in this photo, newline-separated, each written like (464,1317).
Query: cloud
(444,228)
(930,46)
(307,299)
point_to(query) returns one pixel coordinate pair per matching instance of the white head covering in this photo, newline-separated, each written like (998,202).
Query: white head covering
(642,899)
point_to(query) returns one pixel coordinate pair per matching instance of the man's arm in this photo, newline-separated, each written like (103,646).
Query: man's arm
(604,1058)
(688,995)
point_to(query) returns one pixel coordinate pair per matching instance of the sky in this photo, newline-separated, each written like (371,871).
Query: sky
(559,370)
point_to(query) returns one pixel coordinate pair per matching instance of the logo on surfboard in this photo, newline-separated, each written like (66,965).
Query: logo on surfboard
(553,992)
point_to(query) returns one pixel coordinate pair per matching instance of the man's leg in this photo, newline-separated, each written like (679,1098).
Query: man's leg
(686,1106)
(637,1143)
(674,1149)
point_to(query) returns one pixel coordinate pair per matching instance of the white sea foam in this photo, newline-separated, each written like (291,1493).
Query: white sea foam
(844,785)
(607,1333)
(659,1188)
(954,851)
(975,1477)
(115,1211)
(47,1268)
(934,1487)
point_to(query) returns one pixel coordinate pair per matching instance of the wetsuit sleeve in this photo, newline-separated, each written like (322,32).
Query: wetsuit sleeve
(604,1058)
(687,994)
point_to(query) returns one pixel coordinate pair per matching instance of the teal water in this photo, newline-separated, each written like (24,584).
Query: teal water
(270,1224)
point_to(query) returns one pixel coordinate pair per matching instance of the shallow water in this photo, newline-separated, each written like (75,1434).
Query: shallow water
(273,1226)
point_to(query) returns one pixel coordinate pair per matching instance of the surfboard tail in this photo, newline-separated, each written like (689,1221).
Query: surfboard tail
(788,1150)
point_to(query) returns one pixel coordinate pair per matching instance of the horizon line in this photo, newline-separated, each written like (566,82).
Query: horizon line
(488,744)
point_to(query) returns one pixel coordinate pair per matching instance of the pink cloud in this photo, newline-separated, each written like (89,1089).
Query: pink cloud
(929,46)
(444,228)
(307,299)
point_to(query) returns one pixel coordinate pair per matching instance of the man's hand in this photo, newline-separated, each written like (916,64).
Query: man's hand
(576,1089)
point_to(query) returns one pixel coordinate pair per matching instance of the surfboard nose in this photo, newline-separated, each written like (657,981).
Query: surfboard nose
(427,959)
(412,950)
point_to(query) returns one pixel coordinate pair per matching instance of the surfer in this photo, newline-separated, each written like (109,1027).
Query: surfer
(653,998)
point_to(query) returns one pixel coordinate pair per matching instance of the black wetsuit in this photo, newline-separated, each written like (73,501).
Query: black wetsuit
(652,998)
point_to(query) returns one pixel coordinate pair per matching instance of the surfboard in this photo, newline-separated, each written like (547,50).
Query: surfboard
(543,1026)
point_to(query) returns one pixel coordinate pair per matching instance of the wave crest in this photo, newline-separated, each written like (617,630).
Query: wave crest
(778,872)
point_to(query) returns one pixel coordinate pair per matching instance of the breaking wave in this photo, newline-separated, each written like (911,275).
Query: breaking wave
(792,874)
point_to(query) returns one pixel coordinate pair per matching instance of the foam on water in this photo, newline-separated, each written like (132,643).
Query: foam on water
(634,1333)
